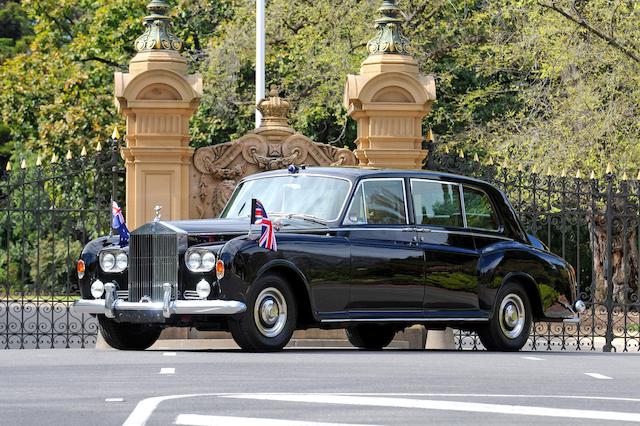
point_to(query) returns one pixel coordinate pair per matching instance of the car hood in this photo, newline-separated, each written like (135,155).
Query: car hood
(237,226)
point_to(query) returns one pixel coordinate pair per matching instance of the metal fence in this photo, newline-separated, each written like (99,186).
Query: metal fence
(594,223)
(48,210)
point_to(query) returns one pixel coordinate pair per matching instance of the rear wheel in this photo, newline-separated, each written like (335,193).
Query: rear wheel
(508,329)
(270,318)
(370,336)
(128,337)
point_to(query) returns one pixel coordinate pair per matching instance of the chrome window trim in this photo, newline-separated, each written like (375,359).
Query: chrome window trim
(340,212)
(474,234)
(463,206)
(361,185)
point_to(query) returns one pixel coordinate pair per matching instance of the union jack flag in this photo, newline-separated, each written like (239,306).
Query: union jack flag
(258,212)
(119,224)
(259,216)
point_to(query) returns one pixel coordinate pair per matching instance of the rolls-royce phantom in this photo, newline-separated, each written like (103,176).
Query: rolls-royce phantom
(372,251)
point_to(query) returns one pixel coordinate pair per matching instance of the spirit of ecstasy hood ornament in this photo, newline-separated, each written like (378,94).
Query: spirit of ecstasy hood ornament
(158,211)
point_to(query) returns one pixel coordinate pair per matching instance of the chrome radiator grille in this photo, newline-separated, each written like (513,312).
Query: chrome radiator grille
(153,261)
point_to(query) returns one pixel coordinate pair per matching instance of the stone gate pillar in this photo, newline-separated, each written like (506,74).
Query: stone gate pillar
(389,98)
(158,96)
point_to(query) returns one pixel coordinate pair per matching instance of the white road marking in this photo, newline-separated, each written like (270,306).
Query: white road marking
(167,371)
(199,420)
(114,400)
(145,408)
(532,358)
(599,376)
(169,354)
(473,407)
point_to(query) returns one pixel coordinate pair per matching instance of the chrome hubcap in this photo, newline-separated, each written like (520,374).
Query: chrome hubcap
(512,316)
(270,312)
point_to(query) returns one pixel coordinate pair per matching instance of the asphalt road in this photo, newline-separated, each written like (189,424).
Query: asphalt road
(316,387)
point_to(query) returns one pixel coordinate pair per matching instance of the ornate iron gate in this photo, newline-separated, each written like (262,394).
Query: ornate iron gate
(594,223)
(48,210)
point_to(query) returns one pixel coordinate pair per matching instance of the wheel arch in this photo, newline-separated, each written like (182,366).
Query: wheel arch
(530,286)
(299,285)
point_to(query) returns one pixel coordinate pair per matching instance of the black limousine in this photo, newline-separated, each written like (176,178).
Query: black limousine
(372,251)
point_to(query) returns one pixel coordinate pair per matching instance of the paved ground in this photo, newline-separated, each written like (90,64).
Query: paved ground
(316,387)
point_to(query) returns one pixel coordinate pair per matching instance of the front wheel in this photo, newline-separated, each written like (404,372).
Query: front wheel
(508,329)
(370,336)
(270,318)
(128,337)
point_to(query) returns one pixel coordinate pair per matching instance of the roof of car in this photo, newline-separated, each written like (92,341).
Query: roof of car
(354,173)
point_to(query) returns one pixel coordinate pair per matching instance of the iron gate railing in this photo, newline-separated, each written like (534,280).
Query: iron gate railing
(594,223)
(49,209)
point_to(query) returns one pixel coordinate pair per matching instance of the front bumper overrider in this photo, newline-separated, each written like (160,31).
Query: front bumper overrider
(119,309)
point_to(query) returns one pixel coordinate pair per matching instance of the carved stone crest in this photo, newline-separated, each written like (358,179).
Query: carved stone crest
(217,169)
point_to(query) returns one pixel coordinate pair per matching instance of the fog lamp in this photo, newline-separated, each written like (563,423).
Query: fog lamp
(580,306)
(97,289)
(203,288)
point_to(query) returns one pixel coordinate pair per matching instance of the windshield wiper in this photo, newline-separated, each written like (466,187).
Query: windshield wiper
(306,217)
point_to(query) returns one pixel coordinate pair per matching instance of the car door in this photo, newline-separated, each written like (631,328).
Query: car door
(451,258)
(387,266)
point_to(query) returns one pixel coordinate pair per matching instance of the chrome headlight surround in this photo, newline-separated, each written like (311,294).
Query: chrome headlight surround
(113,261)
(200,260)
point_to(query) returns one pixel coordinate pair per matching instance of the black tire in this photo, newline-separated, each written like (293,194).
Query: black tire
(270,318)
(509,326)
(127,336)
(370,336)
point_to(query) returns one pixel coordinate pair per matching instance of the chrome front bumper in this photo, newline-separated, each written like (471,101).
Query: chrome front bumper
(112,307)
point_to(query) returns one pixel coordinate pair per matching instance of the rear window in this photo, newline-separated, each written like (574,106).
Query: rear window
(480,212)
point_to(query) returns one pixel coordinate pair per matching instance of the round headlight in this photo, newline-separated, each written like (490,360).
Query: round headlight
(208,261)
(194,260)
(107,262)
(203,288)
(97,289)
(122,261)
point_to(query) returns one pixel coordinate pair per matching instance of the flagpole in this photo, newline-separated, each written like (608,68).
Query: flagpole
(260,55)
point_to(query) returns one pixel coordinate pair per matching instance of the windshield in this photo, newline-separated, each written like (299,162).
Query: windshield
(315,196)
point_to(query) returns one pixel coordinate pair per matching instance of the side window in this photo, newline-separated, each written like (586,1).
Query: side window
(480,213)
(378,202)
(436,203)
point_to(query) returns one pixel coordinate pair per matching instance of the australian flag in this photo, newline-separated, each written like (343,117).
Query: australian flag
(259,217)
(119,224)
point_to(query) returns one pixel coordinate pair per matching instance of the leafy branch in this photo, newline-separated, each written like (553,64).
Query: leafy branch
(578,19)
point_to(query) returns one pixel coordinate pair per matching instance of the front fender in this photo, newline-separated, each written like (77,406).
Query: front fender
(89,256)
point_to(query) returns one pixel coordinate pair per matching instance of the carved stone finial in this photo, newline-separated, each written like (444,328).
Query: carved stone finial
(158,35)
(274,109)
(390,38)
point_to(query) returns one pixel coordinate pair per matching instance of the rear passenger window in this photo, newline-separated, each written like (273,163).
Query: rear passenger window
(378,202)
(436,203)
(480,213)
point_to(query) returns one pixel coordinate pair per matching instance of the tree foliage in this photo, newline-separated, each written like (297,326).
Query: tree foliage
(547,82)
